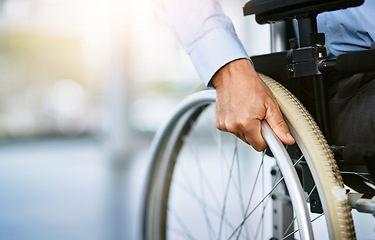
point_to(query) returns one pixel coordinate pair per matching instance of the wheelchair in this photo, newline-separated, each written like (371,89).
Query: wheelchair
(207,184)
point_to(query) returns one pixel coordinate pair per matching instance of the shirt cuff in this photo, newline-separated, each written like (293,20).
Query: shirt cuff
(215,49)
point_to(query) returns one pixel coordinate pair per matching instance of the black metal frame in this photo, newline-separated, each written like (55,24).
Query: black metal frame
(274,10)
(303,68)
(302,64)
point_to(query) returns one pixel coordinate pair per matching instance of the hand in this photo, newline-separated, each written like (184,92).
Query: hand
(243,100)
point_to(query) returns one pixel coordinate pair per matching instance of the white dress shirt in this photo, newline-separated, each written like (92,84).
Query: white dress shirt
(205,32)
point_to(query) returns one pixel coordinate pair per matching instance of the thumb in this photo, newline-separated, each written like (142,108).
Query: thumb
(279,127)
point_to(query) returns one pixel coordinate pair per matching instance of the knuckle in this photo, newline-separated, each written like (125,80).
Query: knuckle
(259,146)
(218,124)
(280,126)
(221,127)
(273,108)
(279,123)
(231,126)
(237,125)
(242,123)
(255,138)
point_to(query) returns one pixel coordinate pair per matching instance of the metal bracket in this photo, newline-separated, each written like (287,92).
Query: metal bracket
(305,61)
(362,202)
(309,187)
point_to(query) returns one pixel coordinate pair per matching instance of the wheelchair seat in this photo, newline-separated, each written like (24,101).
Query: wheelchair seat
(267,11)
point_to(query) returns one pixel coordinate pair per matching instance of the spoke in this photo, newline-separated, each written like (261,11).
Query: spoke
(191,189)
(240,195)
(291,224)
(237,184)
(255,182)
(261,222)
(255,208)
(294,219)
(262,218)
(297,230)
(263,200)
(202,181)
(312,190)
(181,223)
(265,205)
(295,164)
(199,200)
(180,232)
(226,193)
(252,191)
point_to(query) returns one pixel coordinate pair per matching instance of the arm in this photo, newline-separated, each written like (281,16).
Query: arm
(243,100)
(204,31)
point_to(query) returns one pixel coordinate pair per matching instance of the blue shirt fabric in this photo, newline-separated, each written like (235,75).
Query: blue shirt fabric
(351,29)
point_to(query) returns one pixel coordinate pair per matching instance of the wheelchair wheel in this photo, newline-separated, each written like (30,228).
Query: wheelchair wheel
(207,184)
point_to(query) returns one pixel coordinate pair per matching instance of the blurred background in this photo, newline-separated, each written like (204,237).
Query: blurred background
(84,85)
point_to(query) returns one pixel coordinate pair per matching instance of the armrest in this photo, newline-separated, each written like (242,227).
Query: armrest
(276,10)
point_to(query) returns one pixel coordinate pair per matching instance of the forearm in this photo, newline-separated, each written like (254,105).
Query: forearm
(204,31)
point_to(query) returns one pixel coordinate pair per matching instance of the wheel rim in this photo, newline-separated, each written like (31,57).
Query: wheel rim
(157,218)
(220,231)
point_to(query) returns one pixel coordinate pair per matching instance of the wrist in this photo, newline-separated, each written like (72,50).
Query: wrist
(225,74)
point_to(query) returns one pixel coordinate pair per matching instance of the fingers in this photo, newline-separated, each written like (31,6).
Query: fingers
(254,137)
(248,130)
(278,125)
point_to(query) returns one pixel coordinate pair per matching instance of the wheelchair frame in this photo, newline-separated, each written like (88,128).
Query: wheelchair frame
(306,63)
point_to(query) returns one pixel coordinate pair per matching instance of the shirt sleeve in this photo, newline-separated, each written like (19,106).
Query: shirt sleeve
(205,32)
